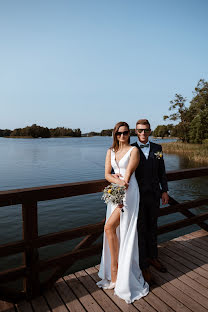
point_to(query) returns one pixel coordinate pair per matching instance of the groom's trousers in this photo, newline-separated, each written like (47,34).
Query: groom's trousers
(147,227)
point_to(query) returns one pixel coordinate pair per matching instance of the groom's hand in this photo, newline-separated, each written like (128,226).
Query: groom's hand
(117,175)
(165,198)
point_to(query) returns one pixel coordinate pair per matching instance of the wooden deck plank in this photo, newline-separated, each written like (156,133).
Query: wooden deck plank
(180,283)
(39,304)
(199,233)
(202,252)
(198,288)
(139,305)
(194,284)
(24,306)
(182,269)
(184,288)
(168,297)
(191,249)
(164,281)
(54,301)
(199,239)
(6,306)
(179,257)
(72,303)
(157,303)
(203,245)
(93,272)
(98,294)
(191,293)
(82,294)
(143,305)
(187,254)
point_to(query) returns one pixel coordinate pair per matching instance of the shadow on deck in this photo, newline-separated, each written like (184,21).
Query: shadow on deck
(183,288)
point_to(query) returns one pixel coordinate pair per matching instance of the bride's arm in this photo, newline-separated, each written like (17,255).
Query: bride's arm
(132,165)
(108,176)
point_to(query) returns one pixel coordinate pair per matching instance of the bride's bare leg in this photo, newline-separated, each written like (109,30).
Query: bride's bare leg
(110,231)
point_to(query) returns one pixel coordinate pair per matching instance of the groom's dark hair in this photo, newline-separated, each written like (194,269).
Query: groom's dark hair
(143,122)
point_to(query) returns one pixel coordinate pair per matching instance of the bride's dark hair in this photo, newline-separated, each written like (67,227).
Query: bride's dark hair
(115,144)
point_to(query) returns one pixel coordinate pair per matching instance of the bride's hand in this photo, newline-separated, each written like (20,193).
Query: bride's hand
(122,183)
(117,175)
(126,184)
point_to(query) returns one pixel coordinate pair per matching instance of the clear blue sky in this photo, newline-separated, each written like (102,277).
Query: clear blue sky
(88,64)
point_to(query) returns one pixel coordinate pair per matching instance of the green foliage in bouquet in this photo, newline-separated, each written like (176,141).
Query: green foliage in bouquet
(113,193)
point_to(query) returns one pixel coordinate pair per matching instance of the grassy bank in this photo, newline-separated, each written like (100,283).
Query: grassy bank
(196,152)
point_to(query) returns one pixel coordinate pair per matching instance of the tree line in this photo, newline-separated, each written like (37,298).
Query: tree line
(192,126)
(108,132)
(36,131)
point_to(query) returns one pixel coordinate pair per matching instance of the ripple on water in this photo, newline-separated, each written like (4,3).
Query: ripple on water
(28,163)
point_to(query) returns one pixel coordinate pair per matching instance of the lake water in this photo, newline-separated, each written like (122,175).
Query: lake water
(38,162)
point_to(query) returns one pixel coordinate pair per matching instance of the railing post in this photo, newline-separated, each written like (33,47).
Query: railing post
(30,232)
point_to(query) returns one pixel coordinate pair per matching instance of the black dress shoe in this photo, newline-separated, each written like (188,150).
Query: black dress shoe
(157,265)
(147,275)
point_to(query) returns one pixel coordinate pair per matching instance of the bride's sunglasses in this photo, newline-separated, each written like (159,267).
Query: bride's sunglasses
(120,133)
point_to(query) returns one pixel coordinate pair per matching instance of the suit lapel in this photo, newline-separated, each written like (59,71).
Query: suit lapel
(151,151)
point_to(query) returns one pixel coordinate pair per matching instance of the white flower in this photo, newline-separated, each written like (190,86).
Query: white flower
(159,154)
(113,193)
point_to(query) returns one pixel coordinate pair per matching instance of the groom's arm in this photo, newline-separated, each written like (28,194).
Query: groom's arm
(162,174)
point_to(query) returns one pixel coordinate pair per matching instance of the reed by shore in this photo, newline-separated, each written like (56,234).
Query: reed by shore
(196,152)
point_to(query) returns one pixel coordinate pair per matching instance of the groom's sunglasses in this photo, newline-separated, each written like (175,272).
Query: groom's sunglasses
(141,130)
(124,133)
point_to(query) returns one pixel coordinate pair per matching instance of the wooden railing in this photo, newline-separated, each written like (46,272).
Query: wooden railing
(30,270)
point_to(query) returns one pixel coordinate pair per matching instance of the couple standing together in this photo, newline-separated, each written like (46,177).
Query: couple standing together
(130,234)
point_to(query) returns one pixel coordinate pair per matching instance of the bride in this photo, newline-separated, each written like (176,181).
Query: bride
(119,268)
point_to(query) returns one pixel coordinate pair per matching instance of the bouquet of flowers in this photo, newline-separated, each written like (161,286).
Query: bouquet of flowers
(113,193)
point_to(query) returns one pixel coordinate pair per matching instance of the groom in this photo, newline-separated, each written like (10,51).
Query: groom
(150,175)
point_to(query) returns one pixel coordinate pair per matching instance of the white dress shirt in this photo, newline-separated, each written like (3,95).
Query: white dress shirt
(145,150)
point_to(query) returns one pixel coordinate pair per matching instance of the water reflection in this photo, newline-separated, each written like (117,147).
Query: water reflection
(27,163)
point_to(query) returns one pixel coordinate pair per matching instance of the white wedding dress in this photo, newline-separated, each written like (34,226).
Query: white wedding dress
(130,284)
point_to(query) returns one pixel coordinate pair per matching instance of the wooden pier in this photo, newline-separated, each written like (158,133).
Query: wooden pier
(183,288)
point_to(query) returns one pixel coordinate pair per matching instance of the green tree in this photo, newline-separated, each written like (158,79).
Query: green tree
(5,132)
(193,121)
(199,127)
(107,132)
(39,132)
(181,113)
(92,133)
(199,112)
(200,101)
(161,131)
(77,132)
(132,132)
(16,132)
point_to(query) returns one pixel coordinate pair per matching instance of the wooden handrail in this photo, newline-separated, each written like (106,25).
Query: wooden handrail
(183,206)
(42,193)
(182,223)
(32,266)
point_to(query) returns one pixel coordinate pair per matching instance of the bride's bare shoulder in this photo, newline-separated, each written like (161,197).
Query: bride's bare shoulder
(108,153)
(134,151)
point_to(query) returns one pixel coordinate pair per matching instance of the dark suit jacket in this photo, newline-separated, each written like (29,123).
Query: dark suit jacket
(151,175)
